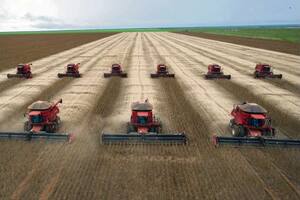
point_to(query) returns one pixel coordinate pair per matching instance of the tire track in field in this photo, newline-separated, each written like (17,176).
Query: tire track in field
(37,176)
(9,83)
(291,123)
(22,147)
(104,103)
(283,83)
(197,128)
(252,159)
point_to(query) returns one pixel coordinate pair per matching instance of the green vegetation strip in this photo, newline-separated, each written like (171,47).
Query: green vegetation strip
(283,34)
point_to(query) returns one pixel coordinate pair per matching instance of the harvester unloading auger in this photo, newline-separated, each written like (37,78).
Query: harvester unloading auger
(251,126)
(43,123)
(143,128)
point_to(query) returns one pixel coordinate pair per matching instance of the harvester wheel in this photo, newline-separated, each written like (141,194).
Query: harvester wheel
(130,128)
(155,129)
(51,128)
(238,131)
(231,123)
(27,126)
(270,133)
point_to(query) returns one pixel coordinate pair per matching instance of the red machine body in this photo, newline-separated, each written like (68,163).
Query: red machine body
(71,71)
(116,70)
(265,71)
(251,126)
(23,71)
(43,116)
(215,72)
(143,128)
(142,119)
(162,71)
(250,120)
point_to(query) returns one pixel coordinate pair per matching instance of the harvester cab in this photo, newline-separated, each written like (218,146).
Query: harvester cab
(23,71)
(162,71)
(216,72)
(265,71)
(116,70)
(143,127)
(42,123)
(71,71)
(251,125)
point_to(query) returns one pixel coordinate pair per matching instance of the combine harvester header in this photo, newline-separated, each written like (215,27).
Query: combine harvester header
(255,141)
(42,124)
(251,126)
(143,128)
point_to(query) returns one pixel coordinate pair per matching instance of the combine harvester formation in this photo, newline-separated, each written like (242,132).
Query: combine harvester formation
(215,72)
(265,71)
(72,71)
(43,123)
(116,70)
(143,128)
(251,126)
(162,71)
(23,71)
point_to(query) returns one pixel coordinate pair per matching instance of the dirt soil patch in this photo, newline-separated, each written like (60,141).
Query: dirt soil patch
(16,49)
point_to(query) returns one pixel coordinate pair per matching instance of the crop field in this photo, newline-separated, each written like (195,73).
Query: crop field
(88,169)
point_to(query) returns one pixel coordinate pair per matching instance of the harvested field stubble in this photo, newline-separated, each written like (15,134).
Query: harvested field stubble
(87,169)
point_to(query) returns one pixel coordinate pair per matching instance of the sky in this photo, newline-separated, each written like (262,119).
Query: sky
(22,15)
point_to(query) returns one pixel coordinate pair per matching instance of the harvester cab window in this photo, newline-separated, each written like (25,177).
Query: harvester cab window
(20,68)
(70,68)
(267,69)
(216,69)
(256,122)
(142,120)
(115,68)
(36,119)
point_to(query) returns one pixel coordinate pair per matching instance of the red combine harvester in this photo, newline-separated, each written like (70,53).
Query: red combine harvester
(72,71)
(252,126)
(116,70)
(265,71)
(43,123)
(143,128)
(162,71)
(215,72)
(23,71)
